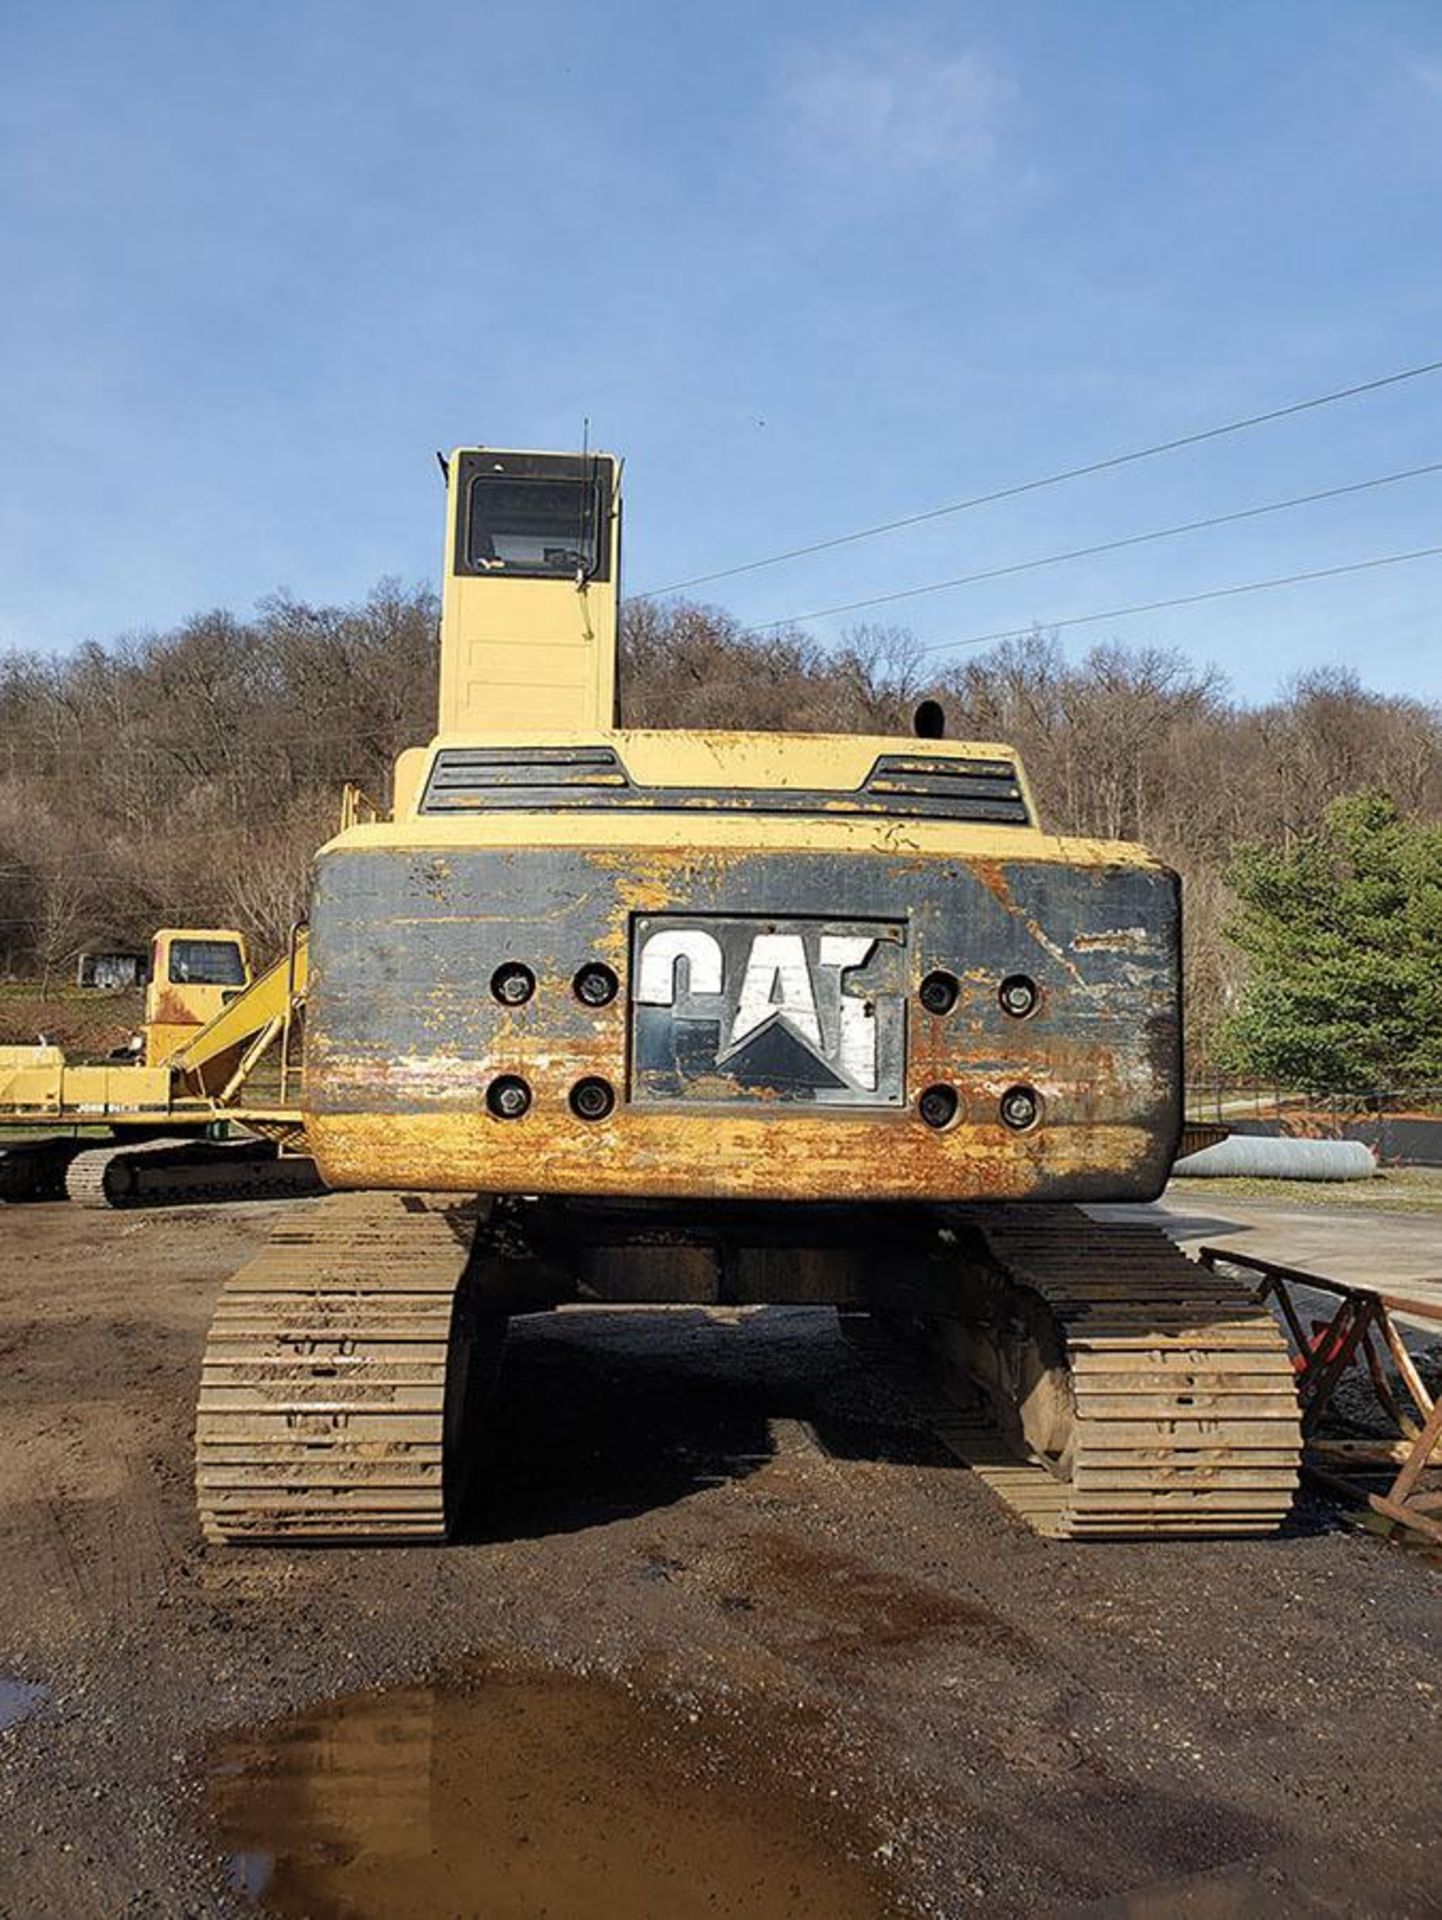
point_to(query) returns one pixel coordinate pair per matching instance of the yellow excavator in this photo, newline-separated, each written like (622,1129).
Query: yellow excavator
(608,1014)
(201,1106)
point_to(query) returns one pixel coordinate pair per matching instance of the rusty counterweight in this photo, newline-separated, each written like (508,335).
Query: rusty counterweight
(405,1036)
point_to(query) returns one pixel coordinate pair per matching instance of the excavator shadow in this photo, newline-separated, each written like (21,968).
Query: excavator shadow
(1181,1218)
(600,1414)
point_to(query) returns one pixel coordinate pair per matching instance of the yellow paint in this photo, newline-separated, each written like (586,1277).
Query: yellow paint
(265,999)
(736,830)
(411,768)
(30,1076)
(519,653)
(531,662)
(191,1068)
(175,1008)
(46,1087)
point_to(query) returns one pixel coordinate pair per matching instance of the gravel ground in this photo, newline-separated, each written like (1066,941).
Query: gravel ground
(726,1515)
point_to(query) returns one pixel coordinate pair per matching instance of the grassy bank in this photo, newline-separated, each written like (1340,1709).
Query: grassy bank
(1414,1190)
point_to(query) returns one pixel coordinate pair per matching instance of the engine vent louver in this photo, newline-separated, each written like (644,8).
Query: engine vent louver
(944,789)
(476,779)
(902,786)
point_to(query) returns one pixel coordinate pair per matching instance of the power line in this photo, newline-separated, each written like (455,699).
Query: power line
(364,739)
(47,767)
(224,835)
(1050,479)
(1018,633)
(50,765)
(1187,599)
(1103,546)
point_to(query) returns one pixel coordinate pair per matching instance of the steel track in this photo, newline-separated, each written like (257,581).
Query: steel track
(158,1173)
(341,1373)
(1184,1407)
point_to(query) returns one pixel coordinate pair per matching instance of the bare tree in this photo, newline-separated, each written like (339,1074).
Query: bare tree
(188,776)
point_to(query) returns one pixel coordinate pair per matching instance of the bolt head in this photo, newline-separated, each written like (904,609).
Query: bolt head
(595,985)
(939,992)
(592,1099)
(509,1097)
(1018,995)
(1020,1108)
(513,984)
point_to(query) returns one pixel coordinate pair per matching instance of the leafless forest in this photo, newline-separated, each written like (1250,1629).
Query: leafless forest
(188,776)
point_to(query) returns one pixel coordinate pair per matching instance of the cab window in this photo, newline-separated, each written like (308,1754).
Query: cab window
(206,963)
(537,526)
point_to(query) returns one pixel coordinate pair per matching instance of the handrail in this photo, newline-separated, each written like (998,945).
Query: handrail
(297,949)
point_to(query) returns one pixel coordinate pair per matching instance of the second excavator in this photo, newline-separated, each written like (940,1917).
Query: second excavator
(601,1013)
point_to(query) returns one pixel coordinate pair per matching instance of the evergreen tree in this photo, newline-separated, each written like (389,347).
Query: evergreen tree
(1344,933)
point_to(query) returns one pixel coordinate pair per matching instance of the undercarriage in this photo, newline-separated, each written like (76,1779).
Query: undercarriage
(1115,1389)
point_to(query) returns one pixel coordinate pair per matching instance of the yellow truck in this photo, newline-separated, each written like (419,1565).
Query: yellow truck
(601,1013)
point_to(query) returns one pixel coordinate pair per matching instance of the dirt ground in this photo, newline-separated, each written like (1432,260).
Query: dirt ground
(731,1518)
(86,1023)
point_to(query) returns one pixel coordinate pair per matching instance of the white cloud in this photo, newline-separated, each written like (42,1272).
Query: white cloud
(886,113)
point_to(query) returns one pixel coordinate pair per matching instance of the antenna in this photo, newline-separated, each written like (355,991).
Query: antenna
(587,488)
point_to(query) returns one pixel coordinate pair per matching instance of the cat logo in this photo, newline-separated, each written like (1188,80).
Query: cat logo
(769,1010)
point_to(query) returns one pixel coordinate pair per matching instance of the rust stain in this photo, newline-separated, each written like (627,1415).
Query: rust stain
(715,1153)
(408,1110)
(174,1010)
(991,876)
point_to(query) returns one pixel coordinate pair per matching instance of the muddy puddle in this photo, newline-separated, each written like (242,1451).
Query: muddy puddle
(511,1796)
(18,1699)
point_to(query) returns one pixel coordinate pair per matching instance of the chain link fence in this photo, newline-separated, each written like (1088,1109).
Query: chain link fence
(1403,1125)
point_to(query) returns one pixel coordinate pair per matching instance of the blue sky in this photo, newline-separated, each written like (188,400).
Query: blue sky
(807,266)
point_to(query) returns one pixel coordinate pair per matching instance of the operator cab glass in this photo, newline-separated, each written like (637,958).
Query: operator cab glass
(206,963)
(535,518)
